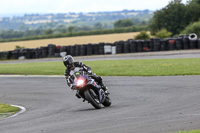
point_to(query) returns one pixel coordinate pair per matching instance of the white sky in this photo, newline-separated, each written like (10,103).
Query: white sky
(65,6)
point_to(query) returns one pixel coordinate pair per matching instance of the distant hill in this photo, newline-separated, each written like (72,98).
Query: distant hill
(49,21)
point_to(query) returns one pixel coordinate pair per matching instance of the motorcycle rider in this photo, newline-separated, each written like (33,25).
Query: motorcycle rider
(71,65)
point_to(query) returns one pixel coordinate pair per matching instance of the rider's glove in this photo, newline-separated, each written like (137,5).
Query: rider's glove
(89,71)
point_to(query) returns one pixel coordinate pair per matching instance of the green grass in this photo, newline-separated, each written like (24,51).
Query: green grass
(193,131)
(147,67)
(6,110)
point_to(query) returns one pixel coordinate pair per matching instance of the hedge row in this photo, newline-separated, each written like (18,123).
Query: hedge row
(129,46)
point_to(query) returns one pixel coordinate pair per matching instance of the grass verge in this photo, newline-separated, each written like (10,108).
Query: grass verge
(7,110)
(193,131)
(147,67)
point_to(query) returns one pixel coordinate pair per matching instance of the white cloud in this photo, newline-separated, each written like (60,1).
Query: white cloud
(55,6)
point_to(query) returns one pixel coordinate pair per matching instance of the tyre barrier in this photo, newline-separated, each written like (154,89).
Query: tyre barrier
(118,47)
(164,44)
(133,46)
(186,42)
(179,44)
(139,45)
(198,44)
(146,46)
(193,44)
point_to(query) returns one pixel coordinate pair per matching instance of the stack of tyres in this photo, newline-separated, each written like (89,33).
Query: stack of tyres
(164,44)
(51,50)
(68,50)
(133,46)
(57,51)
(113,47)
(139,45)
(193,44)
(108,48)
(63,51)
(15,53)
(89,49)
(72,50)
(179,44)
(101,48)
(77,50)
(126,47)
(83,50)
(9,55)
(186,42)
(44,52)
(119,47)
(37,53)
(156,44)
(96,49)
(198,44)
(172,44)
(145,47)
(4,55)
(151,45)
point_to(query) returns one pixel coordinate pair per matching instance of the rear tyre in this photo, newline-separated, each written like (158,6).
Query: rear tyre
(92,98)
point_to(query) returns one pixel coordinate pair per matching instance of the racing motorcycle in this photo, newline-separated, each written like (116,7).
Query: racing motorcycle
(88,89)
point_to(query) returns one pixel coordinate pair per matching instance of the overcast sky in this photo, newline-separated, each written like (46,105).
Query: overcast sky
(65,6)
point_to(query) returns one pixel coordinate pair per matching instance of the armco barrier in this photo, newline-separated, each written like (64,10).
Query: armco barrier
(129,46)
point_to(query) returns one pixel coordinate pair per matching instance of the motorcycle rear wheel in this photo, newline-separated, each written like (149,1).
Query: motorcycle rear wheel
(92,98)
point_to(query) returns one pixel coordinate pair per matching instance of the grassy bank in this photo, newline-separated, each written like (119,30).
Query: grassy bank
(6,110)
(193,131)
(148,67)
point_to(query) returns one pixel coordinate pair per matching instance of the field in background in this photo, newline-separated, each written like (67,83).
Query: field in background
(108,38)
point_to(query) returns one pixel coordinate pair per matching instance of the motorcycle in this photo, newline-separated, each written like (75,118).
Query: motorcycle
(88,89)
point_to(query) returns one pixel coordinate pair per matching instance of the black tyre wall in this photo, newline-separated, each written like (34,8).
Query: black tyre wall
(101,48)
(193,44)
(133,46)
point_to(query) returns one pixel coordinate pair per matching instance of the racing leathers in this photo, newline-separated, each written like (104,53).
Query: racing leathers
(69,72)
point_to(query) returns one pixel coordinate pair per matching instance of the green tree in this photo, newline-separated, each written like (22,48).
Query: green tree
(163,34)
(48,32)
(142,36)
(192,11)
(124,23)
(193,28)
(172,17)
(70,29)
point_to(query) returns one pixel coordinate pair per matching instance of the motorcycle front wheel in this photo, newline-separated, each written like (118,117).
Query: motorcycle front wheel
(107,102)
(92,98)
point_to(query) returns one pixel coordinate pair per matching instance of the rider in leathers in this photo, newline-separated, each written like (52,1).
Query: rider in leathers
(71,65)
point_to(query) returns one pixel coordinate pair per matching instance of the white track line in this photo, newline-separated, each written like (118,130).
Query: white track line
(19,112)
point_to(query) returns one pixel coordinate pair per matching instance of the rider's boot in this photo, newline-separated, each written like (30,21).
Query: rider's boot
(77,95)
(105,88)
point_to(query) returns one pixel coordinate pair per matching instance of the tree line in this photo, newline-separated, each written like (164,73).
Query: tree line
(177,18)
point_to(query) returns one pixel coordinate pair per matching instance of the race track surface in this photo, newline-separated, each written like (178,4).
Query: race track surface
(140,105)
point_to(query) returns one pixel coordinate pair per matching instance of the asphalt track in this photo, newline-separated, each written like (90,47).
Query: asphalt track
(140,105)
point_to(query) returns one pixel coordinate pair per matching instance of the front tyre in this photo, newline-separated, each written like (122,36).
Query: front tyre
(92,98)
(107,102)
